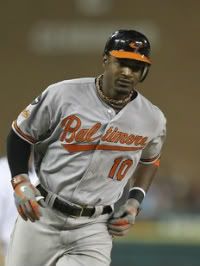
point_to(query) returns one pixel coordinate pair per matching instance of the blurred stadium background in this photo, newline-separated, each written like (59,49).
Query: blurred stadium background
(47,41)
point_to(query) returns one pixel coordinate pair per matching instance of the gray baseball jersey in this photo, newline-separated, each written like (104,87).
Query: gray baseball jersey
(85,152)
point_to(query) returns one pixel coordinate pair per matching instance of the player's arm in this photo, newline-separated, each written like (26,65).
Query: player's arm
(32,125)
(122,220)
(18,153)
(142,179)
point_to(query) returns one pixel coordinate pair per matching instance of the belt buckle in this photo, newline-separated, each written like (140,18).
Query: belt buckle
(81,209)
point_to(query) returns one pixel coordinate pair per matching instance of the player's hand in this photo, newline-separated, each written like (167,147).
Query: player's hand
(121,221)
(28,201)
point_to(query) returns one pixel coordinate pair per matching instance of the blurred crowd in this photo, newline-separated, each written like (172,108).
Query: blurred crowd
(171,196)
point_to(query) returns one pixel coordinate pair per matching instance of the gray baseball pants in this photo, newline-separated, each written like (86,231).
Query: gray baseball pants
(58,240)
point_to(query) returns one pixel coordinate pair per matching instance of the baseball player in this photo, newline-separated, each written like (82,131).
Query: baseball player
(90,137)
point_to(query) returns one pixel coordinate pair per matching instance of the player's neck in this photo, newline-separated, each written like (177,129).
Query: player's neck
(116,104)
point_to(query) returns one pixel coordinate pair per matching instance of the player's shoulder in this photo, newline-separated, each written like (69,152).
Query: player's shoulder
(73,83)
(67,88)
(151,109)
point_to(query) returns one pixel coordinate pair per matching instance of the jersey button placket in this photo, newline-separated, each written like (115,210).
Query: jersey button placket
(111,112)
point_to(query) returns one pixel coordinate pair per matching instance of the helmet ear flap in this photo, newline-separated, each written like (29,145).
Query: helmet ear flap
(144,73)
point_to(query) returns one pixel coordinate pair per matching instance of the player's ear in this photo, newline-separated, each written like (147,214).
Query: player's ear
(105,60)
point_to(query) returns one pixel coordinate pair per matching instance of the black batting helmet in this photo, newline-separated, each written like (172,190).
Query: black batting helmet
(130,44)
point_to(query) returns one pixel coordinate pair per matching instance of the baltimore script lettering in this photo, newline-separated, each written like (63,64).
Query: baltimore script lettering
(72,131)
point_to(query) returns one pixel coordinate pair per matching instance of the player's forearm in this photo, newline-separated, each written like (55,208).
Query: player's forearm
(18,153)
(122,220)
(144,176)
(141,182)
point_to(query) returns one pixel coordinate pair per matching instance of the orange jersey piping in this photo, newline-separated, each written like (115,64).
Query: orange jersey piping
(88,147)
(22,134)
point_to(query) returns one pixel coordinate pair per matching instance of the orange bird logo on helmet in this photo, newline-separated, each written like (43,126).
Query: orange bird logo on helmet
(136,45)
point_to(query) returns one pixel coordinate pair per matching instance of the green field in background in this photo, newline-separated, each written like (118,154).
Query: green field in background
(174,242)
(183,231)
(134,254)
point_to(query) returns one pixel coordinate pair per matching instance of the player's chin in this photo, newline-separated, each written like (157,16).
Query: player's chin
(122,90)
(124,86)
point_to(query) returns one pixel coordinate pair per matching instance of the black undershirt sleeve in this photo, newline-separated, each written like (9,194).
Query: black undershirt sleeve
(18,153)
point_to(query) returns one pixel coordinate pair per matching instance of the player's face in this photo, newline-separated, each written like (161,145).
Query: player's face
(120,76)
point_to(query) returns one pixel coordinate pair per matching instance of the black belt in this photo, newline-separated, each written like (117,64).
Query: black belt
(66,208)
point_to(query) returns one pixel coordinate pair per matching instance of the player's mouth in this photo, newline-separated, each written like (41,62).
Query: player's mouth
(124,85)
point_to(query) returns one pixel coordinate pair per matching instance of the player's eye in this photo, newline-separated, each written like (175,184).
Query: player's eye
(133,65)
(137,68)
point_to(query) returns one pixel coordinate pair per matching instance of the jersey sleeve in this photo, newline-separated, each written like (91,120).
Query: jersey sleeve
(35,122)
(153,149)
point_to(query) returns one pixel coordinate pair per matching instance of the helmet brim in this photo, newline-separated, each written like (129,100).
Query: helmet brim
(130,55)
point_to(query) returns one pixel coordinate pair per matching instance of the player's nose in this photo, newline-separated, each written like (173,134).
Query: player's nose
(127,72)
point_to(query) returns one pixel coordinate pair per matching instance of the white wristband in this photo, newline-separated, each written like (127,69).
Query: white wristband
(137,193)
(138,188)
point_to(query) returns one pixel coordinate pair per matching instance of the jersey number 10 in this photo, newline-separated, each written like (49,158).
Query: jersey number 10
(120,168)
